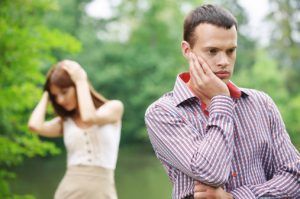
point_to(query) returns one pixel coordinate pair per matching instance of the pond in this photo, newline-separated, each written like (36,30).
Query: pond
(138,175)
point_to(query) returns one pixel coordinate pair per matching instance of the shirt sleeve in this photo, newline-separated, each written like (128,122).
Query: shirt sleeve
(285,182)
(205,156)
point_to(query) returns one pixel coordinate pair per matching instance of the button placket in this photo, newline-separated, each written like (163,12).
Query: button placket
(88,147)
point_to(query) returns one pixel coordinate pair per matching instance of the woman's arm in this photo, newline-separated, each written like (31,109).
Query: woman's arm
(110,112)
(37,123)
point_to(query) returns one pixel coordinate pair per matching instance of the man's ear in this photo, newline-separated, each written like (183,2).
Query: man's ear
(185,49)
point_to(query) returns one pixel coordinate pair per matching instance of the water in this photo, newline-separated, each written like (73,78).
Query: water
(138,175)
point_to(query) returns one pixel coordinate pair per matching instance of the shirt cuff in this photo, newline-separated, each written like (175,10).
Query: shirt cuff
(242,193)
(221,104)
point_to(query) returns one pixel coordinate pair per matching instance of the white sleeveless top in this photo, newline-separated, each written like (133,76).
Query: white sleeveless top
(93,146)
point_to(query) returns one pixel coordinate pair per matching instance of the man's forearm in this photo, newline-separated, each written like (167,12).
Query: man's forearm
(205,156)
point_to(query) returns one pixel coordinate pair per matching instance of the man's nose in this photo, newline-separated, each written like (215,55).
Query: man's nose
(223,60)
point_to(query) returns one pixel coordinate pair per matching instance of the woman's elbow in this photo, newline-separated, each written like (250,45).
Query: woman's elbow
(33,127)
(118,107)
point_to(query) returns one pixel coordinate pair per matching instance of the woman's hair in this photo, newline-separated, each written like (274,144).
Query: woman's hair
(59,77)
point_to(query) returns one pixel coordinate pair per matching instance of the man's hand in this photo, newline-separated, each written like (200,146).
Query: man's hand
(202,191)
(204,82)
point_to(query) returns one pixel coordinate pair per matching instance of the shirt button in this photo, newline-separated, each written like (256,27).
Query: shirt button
(89,151)
(89,160)
(234,174)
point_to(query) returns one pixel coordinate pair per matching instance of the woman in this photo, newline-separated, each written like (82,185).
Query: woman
(90,125)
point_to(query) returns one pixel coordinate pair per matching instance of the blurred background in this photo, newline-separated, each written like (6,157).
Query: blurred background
(131,51)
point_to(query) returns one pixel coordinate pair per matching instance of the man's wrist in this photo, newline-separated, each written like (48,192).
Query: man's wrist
(229,196)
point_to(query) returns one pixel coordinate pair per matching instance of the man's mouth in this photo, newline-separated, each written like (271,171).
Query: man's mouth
(223,74)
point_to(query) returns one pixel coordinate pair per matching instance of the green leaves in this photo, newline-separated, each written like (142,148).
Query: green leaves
(27,47)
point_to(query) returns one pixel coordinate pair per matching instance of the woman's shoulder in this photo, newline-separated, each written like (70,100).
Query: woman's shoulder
(115,105)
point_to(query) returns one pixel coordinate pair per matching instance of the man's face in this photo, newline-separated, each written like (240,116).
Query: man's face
(217,46)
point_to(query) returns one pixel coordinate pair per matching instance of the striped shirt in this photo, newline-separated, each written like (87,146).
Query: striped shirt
(241,146)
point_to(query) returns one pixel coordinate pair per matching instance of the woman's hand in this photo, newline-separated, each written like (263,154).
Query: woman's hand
(37,123)
(75,71)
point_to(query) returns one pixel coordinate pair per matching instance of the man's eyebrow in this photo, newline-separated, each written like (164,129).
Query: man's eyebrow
(212,47)
(233,47)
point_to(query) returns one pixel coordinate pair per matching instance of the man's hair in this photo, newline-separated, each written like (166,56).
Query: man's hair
(210,14)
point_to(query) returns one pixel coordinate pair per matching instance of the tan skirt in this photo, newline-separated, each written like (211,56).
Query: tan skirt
(87,182)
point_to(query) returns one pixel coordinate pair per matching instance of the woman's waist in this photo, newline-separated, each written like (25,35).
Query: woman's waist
(92,159)
(90,171)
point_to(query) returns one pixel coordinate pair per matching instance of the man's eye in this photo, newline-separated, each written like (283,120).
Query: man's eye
(212,51)
(230,51)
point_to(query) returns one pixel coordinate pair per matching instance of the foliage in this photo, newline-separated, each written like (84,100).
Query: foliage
(285,39)
(284,21)
(292,117)
(26,47)
(151,60)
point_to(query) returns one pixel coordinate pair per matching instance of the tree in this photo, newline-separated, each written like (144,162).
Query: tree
(26,47)
(284,45)
(285,42)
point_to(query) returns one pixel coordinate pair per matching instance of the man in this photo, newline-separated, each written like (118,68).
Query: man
(214,139)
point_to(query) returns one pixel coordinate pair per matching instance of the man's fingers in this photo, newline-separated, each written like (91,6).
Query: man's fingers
(200,195)
(198,67)
(199,187)
(194,79)
(207,186)
(193,73)
(205,66)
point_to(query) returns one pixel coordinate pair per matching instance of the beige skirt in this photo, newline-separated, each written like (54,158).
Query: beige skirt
(87,182)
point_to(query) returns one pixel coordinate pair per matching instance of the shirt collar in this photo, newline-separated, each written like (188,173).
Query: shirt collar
(183,93)
(181,90)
